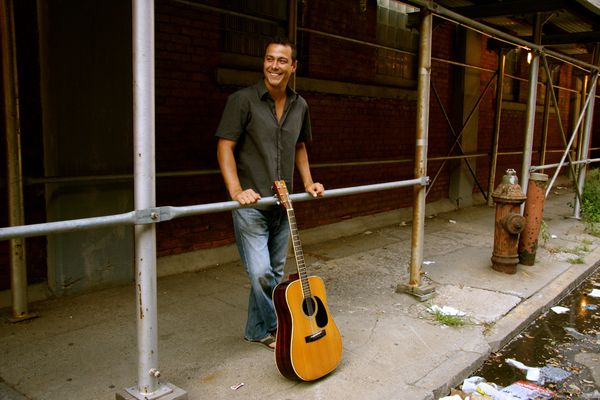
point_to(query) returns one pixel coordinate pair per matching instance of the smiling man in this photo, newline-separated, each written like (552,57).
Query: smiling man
(261,136)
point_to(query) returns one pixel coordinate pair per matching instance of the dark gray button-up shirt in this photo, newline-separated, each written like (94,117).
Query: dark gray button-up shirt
(265,149)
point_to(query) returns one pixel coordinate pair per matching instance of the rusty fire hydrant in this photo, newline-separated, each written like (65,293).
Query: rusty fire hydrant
(508,223)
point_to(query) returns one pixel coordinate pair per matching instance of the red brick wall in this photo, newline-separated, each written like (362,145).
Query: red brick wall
(353,130)
(346,129)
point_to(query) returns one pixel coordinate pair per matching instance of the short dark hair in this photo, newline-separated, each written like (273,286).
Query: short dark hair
(284,41)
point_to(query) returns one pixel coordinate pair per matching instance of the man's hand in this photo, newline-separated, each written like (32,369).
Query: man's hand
(315,189)
(247,196)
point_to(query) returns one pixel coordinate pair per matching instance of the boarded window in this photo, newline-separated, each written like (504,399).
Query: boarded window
(393,31)
(249,25)
(510,91)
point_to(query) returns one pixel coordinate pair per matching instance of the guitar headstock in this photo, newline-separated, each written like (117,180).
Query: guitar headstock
(282,194)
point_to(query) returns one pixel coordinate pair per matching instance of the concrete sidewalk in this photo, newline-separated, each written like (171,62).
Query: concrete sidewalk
(84,347)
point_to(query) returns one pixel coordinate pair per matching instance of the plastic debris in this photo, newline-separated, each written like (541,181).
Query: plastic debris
(526,390)
(594,293)
(428,262)
(454,397)
(470,384)
(540,375)
(451,221)
(532,373)
(591,307)
(591,395)
(446,310)
(560,309)
(575,333)
(487,389)
(237,386)
(552,374)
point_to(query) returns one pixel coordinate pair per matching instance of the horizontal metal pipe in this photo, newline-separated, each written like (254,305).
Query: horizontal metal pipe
(177,212)
(201,172)
(67,226)
(168,212)
(225,11)
(548,166)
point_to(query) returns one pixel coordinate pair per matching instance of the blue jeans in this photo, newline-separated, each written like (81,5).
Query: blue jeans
(262,239)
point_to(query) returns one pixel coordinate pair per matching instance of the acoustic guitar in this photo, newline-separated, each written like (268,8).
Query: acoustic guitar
(309,344)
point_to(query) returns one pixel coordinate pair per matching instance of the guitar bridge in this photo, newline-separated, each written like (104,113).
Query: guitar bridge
(315,336)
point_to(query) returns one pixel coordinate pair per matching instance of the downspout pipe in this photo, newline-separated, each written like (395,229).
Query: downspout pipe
(14,178)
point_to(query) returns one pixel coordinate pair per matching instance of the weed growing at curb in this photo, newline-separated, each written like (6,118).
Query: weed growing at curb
(545,232)
(590,202)
(449,320)
(577,260)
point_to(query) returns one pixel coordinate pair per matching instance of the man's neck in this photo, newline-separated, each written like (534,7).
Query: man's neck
(276,93)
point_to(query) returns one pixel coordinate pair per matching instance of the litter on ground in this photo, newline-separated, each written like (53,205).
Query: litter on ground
(446,310)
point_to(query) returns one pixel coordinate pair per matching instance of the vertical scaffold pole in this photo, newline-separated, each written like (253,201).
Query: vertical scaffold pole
(587,130)
(148,385)
(420,170)
(497,120)
(14,174)
(531,106)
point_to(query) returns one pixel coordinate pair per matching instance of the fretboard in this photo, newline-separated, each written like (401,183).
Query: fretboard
(298,254)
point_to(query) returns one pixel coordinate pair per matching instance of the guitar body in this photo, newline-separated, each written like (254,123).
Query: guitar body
(309,344)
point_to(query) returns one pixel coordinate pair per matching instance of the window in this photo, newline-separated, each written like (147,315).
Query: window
(510,90)
(247,29)
(517,64)
(393,31)
(543,78)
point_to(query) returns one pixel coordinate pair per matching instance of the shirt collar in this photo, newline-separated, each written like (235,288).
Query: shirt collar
(263,91)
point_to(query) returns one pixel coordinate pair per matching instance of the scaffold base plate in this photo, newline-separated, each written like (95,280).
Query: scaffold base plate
(422,293)
(23,317)
(166,391)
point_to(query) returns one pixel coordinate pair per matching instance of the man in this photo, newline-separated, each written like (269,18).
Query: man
(262,134)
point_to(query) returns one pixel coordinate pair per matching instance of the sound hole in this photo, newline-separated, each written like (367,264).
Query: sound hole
(312,305)
(309,306)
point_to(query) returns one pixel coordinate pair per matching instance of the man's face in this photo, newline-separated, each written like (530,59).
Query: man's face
(278,66)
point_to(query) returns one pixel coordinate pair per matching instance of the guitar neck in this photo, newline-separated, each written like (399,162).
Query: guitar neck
(298,253)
